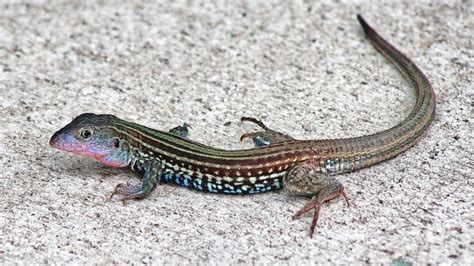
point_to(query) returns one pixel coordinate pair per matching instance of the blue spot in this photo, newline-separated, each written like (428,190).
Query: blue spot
(168,176)
(185,182)
(238,191)
(197,184)
(209,187)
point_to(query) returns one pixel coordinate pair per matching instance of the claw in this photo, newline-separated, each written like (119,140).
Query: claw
(256,121)
(314,203)
(126,190)
(116,191)
(315,221)
(245,136)
(345,197)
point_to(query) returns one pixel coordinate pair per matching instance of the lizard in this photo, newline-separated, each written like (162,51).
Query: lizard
(306,168)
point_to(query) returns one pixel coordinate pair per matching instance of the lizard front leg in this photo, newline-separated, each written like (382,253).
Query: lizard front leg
(266,137)
(153,170)
(181,131)
(303,180)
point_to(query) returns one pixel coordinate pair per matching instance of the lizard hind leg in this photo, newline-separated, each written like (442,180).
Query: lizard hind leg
(266,137)
(303,180)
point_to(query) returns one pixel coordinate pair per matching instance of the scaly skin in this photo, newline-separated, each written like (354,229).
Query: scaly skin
(302,167)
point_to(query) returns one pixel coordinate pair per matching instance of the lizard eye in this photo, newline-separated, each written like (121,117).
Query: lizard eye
(85,133)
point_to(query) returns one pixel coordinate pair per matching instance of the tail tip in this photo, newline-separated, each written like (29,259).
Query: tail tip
(361,20)
(363,23)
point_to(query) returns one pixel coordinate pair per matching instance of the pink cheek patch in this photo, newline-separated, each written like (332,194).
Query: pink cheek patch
(85,149)
(112,162)
(88,151)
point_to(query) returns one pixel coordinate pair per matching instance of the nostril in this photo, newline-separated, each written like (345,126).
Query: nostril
(54,139)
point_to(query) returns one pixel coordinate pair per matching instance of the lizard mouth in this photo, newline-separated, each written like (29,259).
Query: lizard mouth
(66,142)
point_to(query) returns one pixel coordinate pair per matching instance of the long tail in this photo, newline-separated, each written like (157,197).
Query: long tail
(368,150)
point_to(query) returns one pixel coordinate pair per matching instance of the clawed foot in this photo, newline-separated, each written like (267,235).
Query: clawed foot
(315,203)
(153,171)
(181,131)
(266,137)
(127,191)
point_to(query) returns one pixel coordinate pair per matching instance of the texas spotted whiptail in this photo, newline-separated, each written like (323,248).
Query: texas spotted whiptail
(301,167)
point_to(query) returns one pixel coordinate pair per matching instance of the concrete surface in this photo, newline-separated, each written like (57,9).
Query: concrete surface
(303,67)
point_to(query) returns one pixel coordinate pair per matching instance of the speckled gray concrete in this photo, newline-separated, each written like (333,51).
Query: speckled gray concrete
(305,69)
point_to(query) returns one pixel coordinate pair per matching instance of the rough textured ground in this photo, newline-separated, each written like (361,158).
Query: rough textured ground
(304,68)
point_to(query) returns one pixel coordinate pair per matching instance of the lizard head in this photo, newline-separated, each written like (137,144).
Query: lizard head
(91,135)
